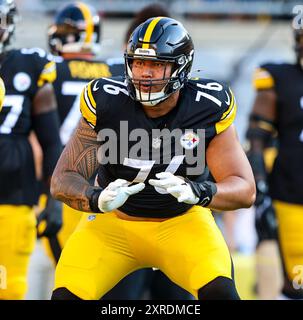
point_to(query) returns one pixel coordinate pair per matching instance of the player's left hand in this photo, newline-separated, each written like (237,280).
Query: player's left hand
(49,222)
(175,186)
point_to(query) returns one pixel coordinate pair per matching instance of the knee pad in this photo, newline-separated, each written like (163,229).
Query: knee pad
(63,294)
(221,288)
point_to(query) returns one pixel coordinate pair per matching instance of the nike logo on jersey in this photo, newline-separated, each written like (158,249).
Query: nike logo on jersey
(95,88)
(228,99)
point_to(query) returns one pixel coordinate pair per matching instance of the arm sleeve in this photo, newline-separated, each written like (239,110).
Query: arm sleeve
(46,126)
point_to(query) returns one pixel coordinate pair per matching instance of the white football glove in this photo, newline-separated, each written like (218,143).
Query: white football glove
(176,186)
(116,193)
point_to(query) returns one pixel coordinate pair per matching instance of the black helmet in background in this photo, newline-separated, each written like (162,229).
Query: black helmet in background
(76,28)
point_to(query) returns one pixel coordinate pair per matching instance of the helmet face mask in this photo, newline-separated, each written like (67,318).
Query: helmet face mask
(76,29)
(169,44)
(9,18)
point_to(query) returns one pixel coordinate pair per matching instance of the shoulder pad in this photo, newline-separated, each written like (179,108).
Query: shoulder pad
(34,51)
(114,86)
(211,90)
(220,100)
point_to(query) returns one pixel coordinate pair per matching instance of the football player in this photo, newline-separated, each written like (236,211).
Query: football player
(278,110)
(150,209)
(73,39)
(29,104)
(76,65)
(147,282)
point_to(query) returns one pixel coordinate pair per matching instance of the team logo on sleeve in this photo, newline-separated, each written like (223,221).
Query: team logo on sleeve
(189,140)
(22,81)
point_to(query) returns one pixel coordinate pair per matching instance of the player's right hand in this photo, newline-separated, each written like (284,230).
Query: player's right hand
(116,193)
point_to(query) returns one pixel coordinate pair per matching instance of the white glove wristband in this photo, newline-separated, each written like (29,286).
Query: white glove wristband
(116,194)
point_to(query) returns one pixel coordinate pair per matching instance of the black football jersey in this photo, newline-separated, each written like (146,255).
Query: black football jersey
(72,76)
(286,178)
(23,72)
(135,147)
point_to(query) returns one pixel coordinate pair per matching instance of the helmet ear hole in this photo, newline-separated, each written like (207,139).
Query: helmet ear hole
(162,39)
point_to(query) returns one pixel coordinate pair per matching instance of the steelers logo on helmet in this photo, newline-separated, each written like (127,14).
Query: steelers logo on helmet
(189,140)
(165,41)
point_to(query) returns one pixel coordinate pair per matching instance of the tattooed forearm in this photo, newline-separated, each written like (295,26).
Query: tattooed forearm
(76,165)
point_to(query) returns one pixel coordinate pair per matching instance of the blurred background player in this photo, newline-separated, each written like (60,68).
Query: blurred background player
(278,109)
(29,104)
(73,39)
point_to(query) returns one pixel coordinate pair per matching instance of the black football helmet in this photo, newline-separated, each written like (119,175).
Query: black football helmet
(298,37)
(8,22)
(76,28)
(165,40)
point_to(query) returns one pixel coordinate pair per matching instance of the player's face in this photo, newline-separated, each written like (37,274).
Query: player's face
(146,70)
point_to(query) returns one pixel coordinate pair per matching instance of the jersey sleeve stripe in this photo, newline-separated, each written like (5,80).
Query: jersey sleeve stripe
(90,96)
(227,118)
(262,79)
(88,103)
(230,108)
(48,74)
(87,114)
